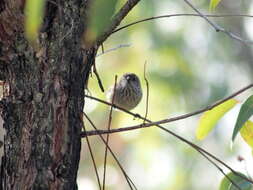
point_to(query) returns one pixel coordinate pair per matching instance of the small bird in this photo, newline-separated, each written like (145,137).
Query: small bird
(128,92)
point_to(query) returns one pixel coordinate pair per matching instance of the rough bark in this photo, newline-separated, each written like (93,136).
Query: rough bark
(42,109)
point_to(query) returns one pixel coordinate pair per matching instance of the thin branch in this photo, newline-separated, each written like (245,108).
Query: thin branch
(220,169)
(199,149)
(203,152)
(127,7)
(92,156)
(107,136)
(129,181)
(113,49)
(147,86)
(217,27)
(196,147)
(184,116)
(98,77)
(178,15)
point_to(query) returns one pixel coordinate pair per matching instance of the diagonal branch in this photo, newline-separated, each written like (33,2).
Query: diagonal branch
(202,151)
(217,27)
(205,153)
(184,116)
(180,15)
(113,49)
(116,20)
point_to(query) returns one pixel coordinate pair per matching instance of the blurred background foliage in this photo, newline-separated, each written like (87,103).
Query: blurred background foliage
(189,66)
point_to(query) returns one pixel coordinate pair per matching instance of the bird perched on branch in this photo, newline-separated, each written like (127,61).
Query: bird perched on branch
(128,92)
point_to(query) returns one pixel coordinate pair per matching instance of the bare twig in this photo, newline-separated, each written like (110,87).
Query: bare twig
(203,152)
(98,78)
(217,27)
(129,181)
(179,15)
(196,147)
(113,49)
(107,136)
(127,7)
(184,116)
(220,169)
(92,156)
(147,86)
(199,149)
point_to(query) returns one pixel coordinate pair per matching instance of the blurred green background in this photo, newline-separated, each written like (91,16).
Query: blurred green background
(189,66)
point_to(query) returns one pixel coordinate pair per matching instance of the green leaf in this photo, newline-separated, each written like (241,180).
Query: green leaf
(247,133)
(100,16)
(245,112)
(242,183)
(209,119)
(34,13)
(213,4)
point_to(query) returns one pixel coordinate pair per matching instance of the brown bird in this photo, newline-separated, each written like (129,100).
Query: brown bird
(128,92)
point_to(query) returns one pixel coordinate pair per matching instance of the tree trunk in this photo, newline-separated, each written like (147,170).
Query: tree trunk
(42,110)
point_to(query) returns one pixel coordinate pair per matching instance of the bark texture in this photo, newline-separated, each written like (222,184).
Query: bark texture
(46,84)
